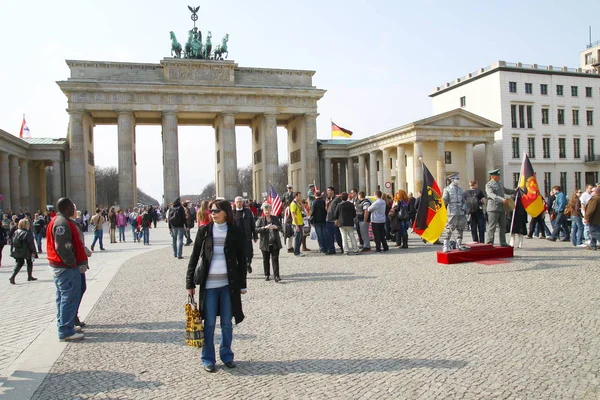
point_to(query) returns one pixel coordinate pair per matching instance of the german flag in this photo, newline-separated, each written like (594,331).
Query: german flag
(531,197)
(431,215)
(337,131)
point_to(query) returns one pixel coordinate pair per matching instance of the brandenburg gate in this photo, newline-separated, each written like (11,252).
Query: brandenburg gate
(179,91)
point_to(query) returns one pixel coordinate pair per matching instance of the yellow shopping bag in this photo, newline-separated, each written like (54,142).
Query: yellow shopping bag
(194,335)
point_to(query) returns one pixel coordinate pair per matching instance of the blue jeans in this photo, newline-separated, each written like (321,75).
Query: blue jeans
(122,233)
(560,224)
(177,235)
(146,233)
(576,230)
(98,237)
(217,300)
(68,296)
(594,235)
(333,236)
(321,231)
(135,233)
(297,239)
(38,241)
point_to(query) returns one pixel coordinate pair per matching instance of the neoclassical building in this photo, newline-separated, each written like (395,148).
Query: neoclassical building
(23,165)
(445,143)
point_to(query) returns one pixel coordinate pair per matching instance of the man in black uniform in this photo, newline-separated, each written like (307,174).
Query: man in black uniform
(244,220)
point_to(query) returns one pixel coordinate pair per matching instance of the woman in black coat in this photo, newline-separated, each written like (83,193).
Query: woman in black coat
(268,227)
(22,249)
(218,266)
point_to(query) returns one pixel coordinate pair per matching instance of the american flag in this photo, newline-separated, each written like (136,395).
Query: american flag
(274,200)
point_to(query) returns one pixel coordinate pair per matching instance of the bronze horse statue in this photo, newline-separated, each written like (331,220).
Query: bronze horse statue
(222,49)
(175,46)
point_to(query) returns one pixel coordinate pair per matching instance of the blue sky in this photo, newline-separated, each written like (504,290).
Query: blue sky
(378,60)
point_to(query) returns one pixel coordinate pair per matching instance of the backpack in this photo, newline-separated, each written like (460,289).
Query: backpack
(18,239)
(361,205)
(175,219)
(472,202)
(3,237)
(133,220)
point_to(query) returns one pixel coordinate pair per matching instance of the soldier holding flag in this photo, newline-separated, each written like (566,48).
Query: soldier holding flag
(496,199)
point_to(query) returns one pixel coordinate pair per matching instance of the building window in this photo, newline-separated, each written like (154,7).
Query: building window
(588,58)
(218,156)
(528,88)
(559,90)
(547,183)
(448,157)
(521,116)
(574,91)
(516,179)
(577,180)
(562,148)
(463,101)
(589,116)
(561,116)
(531,147)
(377,166)
(545,116)
(515,147)
(575,117)
(543,88)
(588,92)
(295,156)
(546,147)
(529,117)
(257,157)
(576,148)
(512,87)
(590,149)
(563,182)
(513,115)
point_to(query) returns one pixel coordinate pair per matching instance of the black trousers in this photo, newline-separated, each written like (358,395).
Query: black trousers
(20,263)
(271,256)
(379,236)
(249,253)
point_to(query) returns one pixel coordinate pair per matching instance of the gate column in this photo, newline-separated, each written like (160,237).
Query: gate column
(170,156)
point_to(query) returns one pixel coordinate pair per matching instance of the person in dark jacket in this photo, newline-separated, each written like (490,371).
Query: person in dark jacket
(22,249)
(269,227)
(344,219)
(39,229)
(243,219)
(176,223)
(218,266)
(3,241)
(516,223)
(318,215)
(333,232)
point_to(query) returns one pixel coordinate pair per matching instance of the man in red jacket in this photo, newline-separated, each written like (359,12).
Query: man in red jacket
(66,254)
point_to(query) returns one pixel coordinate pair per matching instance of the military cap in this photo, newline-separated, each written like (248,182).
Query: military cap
(453,176)
(494,172)
(311,185)
(288,186)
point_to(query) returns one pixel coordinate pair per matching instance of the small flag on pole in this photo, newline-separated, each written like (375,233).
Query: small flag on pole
(24,133)
(531,197)
(431,216)
(338,131)
(274,200)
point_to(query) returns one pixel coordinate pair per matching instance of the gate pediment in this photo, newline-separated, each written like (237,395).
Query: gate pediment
(199,72)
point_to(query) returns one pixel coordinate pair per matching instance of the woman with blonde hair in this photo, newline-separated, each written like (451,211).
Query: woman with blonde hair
(399,216)
(22,248)
(203,214)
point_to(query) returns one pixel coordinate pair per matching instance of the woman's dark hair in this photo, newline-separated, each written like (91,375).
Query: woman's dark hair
(223,205)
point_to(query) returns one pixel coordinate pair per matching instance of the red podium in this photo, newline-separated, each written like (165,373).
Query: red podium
(478,252)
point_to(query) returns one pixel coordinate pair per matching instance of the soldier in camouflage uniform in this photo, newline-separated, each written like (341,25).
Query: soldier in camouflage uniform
(456,209)
(496,199)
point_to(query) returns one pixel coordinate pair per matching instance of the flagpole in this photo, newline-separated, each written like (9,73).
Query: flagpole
(512,222)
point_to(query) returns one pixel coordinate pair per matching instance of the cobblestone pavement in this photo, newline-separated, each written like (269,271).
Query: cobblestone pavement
(394,325)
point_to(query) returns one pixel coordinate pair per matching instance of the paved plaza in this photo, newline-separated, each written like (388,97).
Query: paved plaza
(395,325)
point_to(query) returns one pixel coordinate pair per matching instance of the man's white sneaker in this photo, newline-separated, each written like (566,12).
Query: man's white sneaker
(78,329)
(299,255)
(75,336)
(582,245)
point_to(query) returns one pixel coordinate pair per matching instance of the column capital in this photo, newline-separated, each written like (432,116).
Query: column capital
(124,112)
(271,114)
(228,114)
(169,113)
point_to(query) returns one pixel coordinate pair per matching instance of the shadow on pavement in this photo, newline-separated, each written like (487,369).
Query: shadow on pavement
(320,276)
(341,366)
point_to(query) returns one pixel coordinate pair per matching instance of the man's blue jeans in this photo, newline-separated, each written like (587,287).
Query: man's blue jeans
(217,300)
(297,239)
(321,231)
(38,241)
(333,236)
(135,233)
(576,230)
(146,232)
(122,233)
(68,296)
(560,223)
(177,235)
(98,237)
(594,235)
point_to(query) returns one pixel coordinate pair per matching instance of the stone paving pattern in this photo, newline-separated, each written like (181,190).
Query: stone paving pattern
(394,325)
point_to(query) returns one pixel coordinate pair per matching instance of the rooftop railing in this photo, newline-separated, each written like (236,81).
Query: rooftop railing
(596,43)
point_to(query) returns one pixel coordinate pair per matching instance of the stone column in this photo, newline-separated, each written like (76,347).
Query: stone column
(57,191)
(78,163)
(349,174)
(24,176)
(270,152)
(229,157)
(311,155)
(385,168)
(5,181)
(489,156)
(362,174)
(470,167)
(400,168)
(326,173)
(336,176)
(372,172)
(43,188)
(15,184)
(170,156)
(127,183)
(418,167)
(441,163)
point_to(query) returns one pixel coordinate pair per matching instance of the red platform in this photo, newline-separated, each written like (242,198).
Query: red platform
(478,252)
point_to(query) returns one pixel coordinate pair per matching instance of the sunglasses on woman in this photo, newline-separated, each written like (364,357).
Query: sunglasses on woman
(215,211)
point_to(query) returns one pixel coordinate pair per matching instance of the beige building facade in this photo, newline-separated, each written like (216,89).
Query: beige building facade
(391,160)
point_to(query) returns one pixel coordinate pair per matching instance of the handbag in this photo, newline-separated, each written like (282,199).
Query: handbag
(194,334)
(402,213)
(313,233)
